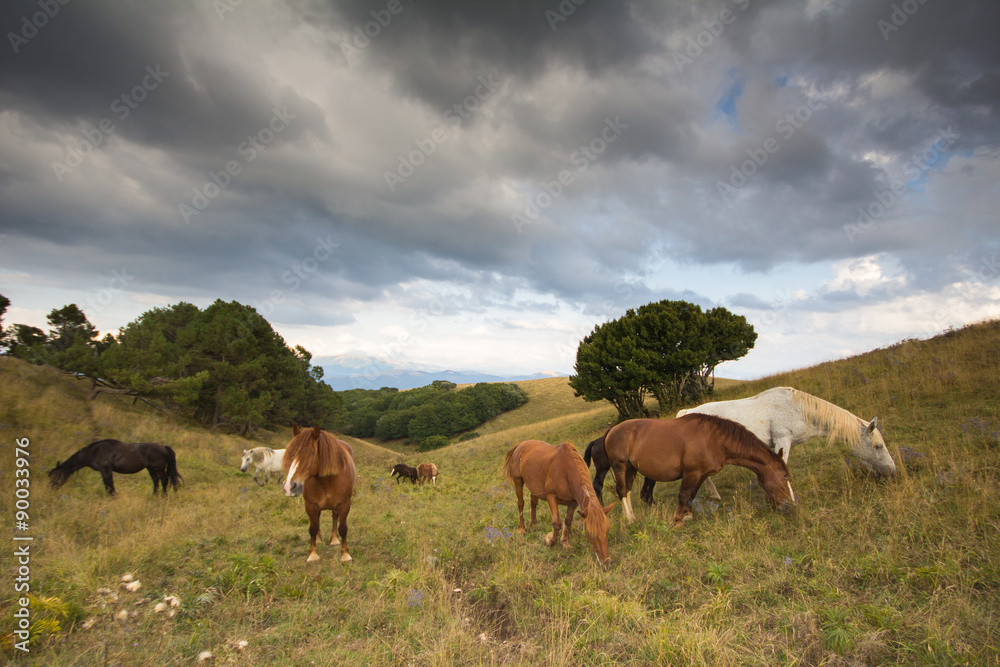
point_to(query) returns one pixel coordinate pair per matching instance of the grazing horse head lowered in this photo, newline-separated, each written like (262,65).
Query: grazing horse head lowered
(320,468)
(559,475)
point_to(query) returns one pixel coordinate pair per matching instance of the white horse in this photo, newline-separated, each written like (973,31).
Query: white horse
(784,416)
(265,460)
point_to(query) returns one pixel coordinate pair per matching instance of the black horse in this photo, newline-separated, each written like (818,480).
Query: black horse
(595,451)
(401,470)
(108,456)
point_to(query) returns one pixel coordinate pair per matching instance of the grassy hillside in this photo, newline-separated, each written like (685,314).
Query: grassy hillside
(866,572)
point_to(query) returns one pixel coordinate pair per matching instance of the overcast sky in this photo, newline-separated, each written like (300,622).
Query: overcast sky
(477,184)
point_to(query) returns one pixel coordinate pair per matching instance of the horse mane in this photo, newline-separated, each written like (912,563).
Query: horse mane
(596,521)
(319,451)
(739,436)
(838,422)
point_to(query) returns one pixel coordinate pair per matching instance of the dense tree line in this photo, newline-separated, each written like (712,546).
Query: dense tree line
(435,410)
(667,350)
(224,365)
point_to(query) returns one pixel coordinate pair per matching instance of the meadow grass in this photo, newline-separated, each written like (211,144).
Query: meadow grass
(865,572)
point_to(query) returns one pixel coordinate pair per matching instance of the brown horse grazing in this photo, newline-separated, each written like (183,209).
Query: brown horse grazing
(559,475)
(427,471)
(320,468)
(691,448)
(111,456)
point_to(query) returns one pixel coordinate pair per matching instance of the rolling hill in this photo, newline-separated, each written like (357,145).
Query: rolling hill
(865,572)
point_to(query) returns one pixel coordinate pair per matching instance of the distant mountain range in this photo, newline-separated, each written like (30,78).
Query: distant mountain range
(345,372)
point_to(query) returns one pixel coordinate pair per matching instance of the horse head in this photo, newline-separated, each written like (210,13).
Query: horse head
(595,527)
(57,476)
(776,481)
(872,451)
(303,459)
(247,458)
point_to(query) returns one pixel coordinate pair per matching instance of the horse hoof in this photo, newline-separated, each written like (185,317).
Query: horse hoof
(346,558)
(549,541)
(678,524)
(312,557)
(334,541)
(688,517)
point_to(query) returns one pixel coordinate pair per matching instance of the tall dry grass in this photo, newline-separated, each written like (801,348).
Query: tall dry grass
(867,572)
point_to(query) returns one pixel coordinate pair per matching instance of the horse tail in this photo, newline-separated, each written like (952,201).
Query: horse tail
(508,465)
(172,474)
(589,452)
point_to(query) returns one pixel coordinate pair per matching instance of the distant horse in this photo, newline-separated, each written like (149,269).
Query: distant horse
(265,460)
(427,471)
(320,468)
(559,475)
(691,448)
(110,456)
(401,470)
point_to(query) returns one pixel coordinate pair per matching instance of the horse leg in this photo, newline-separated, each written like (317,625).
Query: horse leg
(553,537)
(341,518)
(519,492)
(599,476)
(623,489)
(690,484)
(534,506)
(109,482)
(647,491)
(570,509)
(313,512)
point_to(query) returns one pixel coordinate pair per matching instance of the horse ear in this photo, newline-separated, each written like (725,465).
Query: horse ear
(295,429)
(781,453)
(316,432)
(873,424)
(607,510)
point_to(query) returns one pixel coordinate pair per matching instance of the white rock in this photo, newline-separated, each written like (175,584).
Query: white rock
(121,616)
(160,606)
(127,577)
(205,656)
(132,586)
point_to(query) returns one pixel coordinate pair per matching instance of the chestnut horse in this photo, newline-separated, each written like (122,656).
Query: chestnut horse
(559,475)
(427,471)
(320,468)
(691,448)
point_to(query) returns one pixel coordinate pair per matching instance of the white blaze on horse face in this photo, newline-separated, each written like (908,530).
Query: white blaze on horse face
(791,492)
(287,487)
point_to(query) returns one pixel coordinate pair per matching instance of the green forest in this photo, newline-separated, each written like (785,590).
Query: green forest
(224,366)
(425,413)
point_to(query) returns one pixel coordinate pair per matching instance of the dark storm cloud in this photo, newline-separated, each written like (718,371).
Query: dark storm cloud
(846,101)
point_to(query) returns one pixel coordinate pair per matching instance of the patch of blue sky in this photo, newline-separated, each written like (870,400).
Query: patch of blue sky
(726,106)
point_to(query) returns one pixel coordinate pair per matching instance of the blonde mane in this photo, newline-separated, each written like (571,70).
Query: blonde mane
(838,422)
(596,522)
(318,453)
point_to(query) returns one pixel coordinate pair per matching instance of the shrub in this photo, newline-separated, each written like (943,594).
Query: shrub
(433,442)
